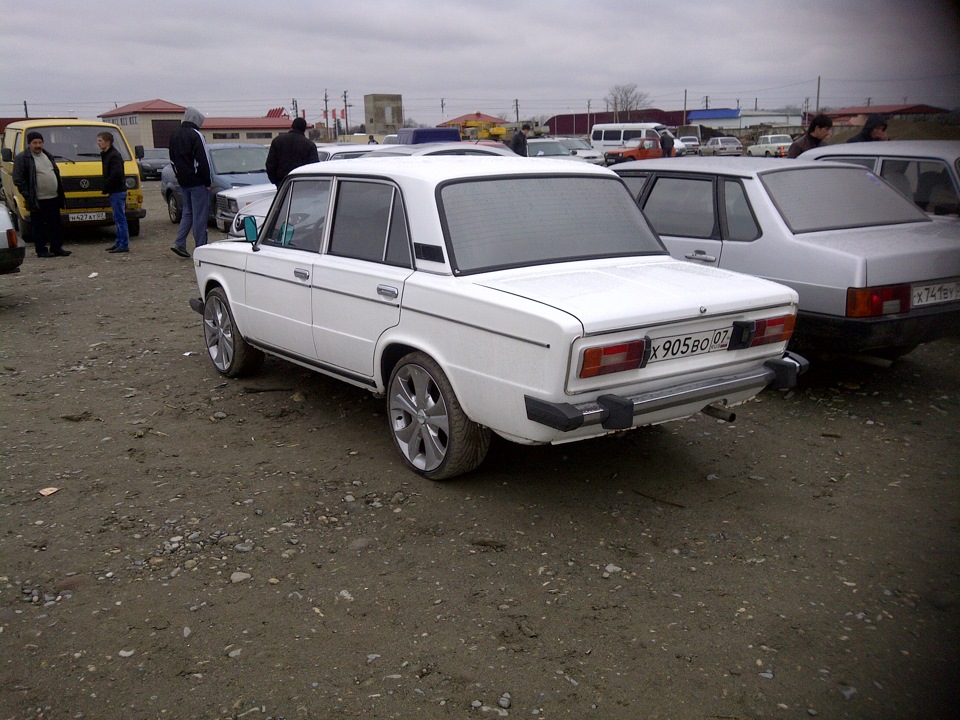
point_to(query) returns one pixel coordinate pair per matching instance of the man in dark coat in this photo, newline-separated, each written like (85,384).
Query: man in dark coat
(188,153)
(816,134)
(518,143)
(290,150)
(37,177)
(874,130)
(666,144)
(114,185)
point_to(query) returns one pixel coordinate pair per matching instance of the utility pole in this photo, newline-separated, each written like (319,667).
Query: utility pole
(346,122)
(706,102)
(684,107)
(868,101)
(296,111)
(516,108)
(442,105)
(588,115)
(817,110)
(326,110)
(25,113)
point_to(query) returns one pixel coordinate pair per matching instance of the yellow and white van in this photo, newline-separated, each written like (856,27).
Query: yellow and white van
(73,144)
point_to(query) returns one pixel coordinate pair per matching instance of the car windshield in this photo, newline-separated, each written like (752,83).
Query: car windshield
(536,149)
(729,141)
(499,223)
(156,154)
(833,198)
(777,139)
(78,143)
(239,160)
(575,144)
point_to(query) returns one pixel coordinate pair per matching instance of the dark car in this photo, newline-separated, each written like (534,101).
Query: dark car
(153,162)
(13,250)
(231,165)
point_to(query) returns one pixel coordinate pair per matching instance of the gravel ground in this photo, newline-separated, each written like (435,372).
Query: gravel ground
(254,548)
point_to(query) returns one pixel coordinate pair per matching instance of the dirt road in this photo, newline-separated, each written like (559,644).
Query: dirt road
(255,549)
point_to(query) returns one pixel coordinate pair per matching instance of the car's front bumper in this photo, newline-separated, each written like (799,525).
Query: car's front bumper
(615,412)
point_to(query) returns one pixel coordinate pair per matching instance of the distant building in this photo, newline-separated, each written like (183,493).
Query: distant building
(383,114)
(150,123)
(739,119)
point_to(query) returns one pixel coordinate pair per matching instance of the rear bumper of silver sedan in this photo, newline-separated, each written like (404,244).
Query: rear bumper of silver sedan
(615,412)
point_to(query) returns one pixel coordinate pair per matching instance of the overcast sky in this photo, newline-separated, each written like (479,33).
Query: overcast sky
(240,58)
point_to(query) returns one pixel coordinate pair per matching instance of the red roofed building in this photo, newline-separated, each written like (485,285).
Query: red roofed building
(151,122)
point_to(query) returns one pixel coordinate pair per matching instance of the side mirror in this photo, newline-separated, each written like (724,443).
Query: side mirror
(138,151)
(250,229)
(7,155)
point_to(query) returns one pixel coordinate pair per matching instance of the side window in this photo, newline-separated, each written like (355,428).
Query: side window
(398,242)
(597,135)
(635,183)
(681,206)
(867,162)
(612,135)
(299,224)
(741,224)
(630,134)
(361,221)
(902,174)
(935,193)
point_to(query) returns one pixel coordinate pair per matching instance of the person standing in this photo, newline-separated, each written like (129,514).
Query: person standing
(114,185)
(37,177)
(188,154)
(518,143)
(666,144)
(290,150)
(815,136)
(873,130)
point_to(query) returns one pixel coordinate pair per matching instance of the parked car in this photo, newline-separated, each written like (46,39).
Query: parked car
(692,143)
(488,295)
(770,146)
(443,148)
(581,148)
(153,162)
(550,148)
(875,274)
(679,147)
(231,201)
(925,171)
(14,249)
(231,165)
(721,146)
(635,149)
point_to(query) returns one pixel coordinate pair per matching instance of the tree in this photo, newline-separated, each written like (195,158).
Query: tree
(624,98)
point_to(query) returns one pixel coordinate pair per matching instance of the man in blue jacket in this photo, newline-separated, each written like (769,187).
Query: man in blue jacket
(188,154)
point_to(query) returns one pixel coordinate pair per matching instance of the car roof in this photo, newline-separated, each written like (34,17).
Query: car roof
(945,149)
(53,122)
(344,146)
(434,147)
(744,166)
(439,168)
(221,146)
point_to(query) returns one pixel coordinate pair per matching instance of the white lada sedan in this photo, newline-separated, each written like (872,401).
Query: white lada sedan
(489,295)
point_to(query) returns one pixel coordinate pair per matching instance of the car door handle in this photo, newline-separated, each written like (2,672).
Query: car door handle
(701,256)
(388,291)
(302,274)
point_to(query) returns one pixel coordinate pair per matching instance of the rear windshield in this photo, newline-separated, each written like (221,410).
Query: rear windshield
(519,221)
(239,160)
(832,198)
(78,143)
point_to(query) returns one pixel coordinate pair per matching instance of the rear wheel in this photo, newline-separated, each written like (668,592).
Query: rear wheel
(430,429)
(228,351)
(133,225)
(173,208)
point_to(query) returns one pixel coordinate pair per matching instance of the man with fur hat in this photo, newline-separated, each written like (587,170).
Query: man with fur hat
(188,154)
(37,177)
(290,150)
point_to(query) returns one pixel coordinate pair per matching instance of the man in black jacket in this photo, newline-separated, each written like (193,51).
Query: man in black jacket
(290,150)
(37,177)
(518,143)
(114,185)
(188,154)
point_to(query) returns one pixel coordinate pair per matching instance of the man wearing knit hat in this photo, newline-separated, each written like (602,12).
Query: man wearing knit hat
(37,177)
(188,155)
(290,150)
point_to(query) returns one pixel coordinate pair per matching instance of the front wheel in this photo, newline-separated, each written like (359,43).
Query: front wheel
(173,208)
(432,433)
(228,351)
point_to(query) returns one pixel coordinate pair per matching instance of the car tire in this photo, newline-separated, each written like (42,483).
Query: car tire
(173,208)
(429,428)
(230,354)
(767,154)
(133,226)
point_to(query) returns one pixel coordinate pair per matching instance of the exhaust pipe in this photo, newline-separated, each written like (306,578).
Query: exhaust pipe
(719,412)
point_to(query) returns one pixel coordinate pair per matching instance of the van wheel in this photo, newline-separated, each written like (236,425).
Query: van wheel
(133,225)
(173,208)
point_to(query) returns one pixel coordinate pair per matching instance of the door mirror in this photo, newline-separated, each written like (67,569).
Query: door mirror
(250,228)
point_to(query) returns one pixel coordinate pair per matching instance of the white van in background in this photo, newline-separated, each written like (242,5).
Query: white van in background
(605,136)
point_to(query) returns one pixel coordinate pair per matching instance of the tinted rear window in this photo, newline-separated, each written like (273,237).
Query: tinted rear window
(813,199)
(514,222)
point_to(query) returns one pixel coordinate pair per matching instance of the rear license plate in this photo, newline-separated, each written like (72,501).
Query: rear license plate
(84,217)
(935,293)
(677,346)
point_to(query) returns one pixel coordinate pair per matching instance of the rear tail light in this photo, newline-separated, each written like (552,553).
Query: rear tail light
(11,238)
(877,301)
(606,359)
(751,333)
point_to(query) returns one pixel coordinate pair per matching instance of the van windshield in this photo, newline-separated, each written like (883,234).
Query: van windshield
(78,143)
